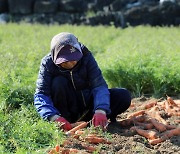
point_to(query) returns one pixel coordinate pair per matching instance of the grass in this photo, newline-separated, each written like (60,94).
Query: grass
(144,60)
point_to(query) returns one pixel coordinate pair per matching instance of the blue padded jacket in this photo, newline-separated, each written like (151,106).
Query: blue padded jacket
(86,75)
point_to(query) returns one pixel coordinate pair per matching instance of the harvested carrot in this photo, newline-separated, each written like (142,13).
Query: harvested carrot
(172,132)
(71,150)
(141,112)
(57,148)
(156,141)
(125,122)
(140,118)
(167,108)
(159,126)
(79,132)
(144,125)
(76,124)
(52,151)
(73,130)
(176,114)
(150,134)
(171,101)
(96,140)
(165,136)
(172,111)
(132,105)
(149,105)
(88,148)
(170,126)
(154,113)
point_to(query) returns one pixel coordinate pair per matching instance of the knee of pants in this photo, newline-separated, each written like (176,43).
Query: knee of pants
(127,97)
(123,96)
(59,83)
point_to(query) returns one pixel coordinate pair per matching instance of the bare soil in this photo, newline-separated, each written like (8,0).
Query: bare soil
(124,141)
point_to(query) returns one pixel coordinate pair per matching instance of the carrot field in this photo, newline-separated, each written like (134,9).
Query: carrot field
(143,59)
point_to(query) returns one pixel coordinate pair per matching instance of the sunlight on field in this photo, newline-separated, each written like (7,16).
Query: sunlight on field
(145,60)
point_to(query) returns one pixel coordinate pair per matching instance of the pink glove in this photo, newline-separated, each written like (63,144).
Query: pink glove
(65,124)
(100,119)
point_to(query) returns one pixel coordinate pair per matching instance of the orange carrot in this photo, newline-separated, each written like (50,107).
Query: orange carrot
(71,150)
(172,111)
(57,148)
(140,118)
(171,101)
(162,104)
(172,132)
(167,108)
(154,112)
(150,134)
(96,140)
(88,148)
(165,136)
(52,151)
(79,132)
(125,122)
(156,141)
(149,105)
(132,105)
(141,112)
(159,126)
(176,114)
(76,124)
(144,125)
(170,126)
(73,130)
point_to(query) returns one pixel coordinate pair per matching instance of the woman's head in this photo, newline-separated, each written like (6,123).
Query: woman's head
(65,48)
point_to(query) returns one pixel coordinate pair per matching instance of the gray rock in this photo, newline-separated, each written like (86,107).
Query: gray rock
(21,6)
(3,6)
(118,5)
(4,18)
(46,6)
(73,6)
(63,18)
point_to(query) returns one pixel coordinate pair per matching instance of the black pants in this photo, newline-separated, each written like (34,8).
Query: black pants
(71,105)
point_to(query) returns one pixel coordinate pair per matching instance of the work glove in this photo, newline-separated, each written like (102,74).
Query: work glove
(100,119)
(64,124)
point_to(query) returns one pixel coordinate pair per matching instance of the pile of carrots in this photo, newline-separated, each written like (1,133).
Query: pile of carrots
(88,140)
(149,123)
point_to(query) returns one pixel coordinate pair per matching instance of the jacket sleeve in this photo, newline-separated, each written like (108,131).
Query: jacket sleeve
(44,106)
(42,99)
(98,85)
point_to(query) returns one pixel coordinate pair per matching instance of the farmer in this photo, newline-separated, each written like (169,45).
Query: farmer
(70,86)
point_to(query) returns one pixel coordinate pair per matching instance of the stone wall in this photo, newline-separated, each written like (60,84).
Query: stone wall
(92,12)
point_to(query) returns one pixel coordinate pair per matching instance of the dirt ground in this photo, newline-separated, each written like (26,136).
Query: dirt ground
(124,141)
